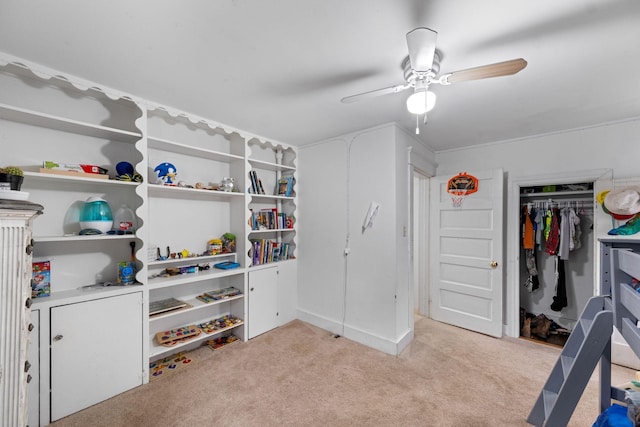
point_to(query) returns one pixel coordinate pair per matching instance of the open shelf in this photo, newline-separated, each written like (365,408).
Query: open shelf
(177,147)
(80,180)
(191,193)
(259,164)
(156,350)
(192,305)
(35,118)
(78,238)
(181,279)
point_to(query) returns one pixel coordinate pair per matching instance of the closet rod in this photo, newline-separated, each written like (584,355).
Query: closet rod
(586,200)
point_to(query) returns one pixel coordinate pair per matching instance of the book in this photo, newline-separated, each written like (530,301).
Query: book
(254,181)
(162,306)
(284,186)
(40,279)
(218,294)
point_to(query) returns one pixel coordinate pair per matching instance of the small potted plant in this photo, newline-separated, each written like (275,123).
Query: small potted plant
(12,175)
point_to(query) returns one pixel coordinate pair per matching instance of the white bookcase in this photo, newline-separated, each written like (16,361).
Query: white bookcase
(183,217)
(47,115)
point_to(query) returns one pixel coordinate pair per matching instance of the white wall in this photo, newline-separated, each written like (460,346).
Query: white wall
(365,295)
(613,146)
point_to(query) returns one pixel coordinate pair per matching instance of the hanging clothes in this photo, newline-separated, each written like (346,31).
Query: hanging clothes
(533,282)
(553,239)
(527,234)
(538,226)
(576,231)
(565,235)
(528,243)
(560,300)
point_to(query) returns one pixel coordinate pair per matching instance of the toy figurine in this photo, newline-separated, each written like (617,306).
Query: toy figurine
(166,173)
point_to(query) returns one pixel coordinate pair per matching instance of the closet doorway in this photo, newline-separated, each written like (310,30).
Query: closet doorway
(553,279)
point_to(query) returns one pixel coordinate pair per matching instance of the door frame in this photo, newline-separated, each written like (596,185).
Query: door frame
(512,300)
(420,240)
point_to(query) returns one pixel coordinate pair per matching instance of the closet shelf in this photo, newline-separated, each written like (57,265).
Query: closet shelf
(557,194)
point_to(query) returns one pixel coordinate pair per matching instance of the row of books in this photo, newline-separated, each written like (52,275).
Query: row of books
(284,186)
(270,219)
(265,251)
(256,184)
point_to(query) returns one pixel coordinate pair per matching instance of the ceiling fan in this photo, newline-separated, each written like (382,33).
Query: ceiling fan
(421,69)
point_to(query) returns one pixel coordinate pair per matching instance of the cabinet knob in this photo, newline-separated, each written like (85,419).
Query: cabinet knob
(251,289)
(28,303)
(27,366)
(58,337)
(30,327)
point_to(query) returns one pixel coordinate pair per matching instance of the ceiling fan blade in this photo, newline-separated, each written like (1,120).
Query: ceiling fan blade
(374,93)
(498,69)
(421,43)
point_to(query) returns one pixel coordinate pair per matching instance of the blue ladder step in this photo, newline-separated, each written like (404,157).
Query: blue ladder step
(567,364)
(586,325)
(549,398)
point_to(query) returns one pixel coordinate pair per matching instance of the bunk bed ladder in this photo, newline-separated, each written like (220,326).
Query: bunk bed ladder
(587,343)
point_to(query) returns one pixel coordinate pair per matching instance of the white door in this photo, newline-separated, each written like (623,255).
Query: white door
(263,301)
(94,354)
(466,267)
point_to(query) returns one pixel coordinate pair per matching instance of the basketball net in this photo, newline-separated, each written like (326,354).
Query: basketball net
(460,186)
(458,197)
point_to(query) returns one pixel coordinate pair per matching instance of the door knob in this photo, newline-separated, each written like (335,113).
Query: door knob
(494,264)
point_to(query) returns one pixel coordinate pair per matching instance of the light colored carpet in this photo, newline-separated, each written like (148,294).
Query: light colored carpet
(298,375)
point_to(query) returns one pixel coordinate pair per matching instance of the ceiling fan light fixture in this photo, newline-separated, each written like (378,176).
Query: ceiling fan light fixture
(417,104)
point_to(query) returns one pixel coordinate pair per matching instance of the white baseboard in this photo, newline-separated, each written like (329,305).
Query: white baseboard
(363,337)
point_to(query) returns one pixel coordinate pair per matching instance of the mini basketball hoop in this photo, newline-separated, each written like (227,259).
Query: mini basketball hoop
(460,186)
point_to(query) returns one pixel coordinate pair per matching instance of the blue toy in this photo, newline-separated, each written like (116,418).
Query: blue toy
(166,173)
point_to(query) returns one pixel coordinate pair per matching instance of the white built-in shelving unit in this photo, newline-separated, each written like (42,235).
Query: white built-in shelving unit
(49,116)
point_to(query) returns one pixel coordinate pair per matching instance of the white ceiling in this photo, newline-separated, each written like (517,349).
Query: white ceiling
(278,68)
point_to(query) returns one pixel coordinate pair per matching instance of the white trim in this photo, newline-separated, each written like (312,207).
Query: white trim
(512,323)
(358,335)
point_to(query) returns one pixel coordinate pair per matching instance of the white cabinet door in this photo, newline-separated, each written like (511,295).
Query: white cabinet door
(287,291)
(263,300)
(96,351)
